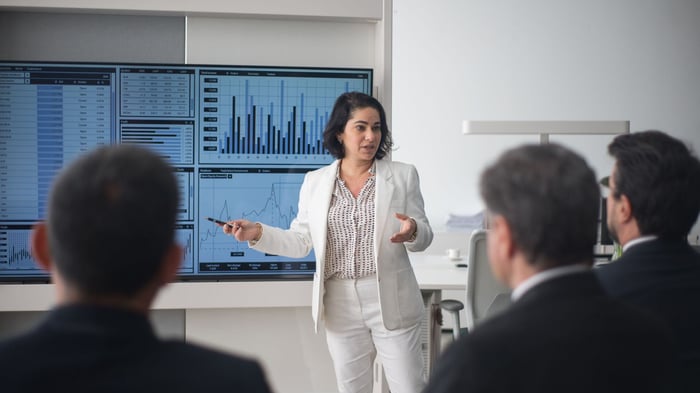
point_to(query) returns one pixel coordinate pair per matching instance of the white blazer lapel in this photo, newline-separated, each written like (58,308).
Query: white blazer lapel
(318,210)
(383,196)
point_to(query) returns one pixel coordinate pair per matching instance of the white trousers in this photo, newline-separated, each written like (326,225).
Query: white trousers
(355,334)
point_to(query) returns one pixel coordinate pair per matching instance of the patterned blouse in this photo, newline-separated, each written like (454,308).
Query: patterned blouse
(350,242)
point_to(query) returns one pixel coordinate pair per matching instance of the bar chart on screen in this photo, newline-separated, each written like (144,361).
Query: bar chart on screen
(268,117)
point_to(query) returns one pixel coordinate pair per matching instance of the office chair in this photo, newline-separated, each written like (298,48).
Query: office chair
(485,295)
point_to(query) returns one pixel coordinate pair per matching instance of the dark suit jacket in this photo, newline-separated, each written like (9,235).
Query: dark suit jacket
(83,348)
(664,277)
(563,335)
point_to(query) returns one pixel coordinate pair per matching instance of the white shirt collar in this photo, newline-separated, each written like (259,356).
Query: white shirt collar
(543,276)
(638,240)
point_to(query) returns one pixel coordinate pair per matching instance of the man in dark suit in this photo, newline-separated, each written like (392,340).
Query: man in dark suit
(109,243)
(654,202)
(562,333)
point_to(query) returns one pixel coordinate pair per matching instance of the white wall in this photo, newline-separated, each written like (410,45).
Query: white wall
(535,60)
(46,36)
(279,42)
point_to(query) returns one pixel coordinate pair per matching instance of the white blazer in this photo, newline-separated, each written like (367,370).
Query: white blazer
(397,191)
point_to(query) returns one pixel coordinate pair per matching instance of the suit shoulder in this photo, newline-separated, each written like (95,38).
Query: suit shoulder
(611,271)
(397,168)
(225,366)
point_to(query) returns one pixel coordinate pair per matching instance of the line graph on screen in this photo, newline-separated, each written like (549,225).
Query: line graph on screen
(270,196)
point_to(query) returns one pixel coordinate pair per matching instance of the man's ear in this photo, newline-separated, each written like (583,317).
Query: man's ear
(501,249)
(171,264)
(624,209)
(503,237)
(40,246)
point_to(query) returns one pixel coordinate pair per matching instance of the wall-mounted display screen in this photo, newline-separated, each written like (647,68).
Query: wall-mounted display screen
(240,139)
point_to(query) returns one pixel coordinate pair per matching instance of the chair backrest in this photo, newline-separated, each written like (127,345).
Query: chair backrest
(485,294)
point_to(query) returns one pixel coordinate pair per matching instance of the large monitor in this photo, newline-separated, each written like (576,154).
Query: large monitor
(240,139)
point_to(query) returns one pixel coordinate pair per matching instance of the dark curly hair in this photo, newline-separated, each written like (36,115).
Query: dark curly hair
(343,108)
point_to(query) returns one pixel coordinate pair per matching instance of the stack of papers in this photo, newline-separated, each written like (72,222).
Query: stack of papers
(466,223)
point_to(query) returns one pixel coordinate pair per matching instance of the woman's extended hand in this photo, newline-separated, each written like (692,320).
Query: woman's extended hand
(408,229)
(242,230)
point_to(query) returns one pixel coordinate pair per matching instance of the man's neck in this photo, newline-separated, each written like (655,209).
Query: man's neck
(546,275)
(139,303)
(627,233)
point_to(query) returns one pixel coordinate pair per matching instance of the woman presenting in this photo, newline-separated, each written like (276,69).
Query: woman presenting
(360,214)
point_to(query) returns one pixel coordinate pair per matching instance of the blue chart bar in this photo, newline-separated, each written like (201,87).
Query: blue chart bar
(49,113)
(172,139)
(267,117)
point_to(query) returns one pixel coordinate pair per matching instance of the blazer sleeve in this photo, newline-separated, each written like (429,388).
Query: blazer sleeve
(416,209)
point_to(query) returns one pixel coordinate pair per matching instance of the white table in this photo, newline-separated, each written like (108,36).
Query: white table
(437,272)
